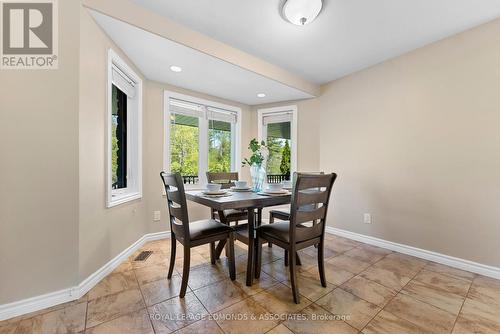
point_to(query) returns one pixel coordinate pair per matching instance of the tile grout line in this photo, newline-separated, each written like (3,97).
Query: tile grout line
(144,301)
(463,303)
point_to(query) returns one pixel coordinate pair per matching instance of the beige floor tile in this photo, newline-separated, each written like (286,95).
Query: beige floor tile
(264,282)
(333,274)
(113,306)
(442,269)
(158,291)
(202,326)
(153,259)
(390,279)
(388,323)
(485,290)
(476,310)
(307,261)
(446,301)
(151,273)
(205,275)
(220,295)
(240,265)
(347,263)
(370,291)
(367,254)
(408,261)
(196,260)
(315,320)
(246,316)
(70,319)
(398,266)
(7,327)
(279,300)
(466,325)
(133,323)
(113,283)
(443,282)
(124,266)
(340,245)
(276,269)
(309,285)
(280,329)
(356,311)
(176,313)
(428,317)
(313,251)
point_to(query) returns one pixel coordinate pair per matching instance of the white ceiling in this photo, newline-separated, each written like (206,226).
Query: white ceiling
(348,35)
(154,55)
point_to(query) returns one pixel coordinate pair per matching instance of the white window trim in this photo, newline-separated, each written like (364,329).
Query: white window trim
(278,110)
(203,156)
(134,164)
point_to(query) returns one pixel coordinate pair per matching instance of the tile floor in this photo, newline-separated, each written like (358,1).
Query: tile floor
(370,290)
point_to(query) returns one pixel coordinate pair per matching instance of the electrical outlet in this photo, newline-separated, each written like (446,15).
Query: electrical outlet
(367,218)
(156,216)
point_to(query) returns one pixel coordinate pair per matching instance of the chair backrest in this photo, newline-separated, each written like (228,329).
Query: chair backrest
(226,179)
(176,203)
(310,199)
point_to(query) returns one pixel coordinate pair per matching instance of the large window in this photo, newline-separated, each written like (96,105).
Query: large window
(124,132)
(200,136)
(277,126)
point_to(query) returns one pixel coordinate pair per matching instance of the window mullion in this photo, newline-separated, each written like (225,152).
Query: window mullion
(203,151)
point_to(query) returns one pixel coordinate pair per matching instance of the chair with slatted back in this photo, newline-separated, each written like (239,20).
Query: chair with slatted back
(310,199)
(192,234)
(227,181)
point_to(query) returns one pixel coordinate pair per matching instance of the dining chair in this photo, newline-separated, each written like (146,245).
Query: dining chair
(226,179)
(193,234)
(306,227)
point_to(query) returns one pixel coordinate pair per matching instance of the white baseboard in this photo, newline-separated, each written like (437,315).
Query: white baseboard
(41,302)
(451,261)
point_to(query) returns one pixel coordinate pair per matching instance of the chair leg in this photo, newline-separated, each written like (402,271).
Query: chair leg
(271,221)
(173,248)
(299,263)
(232,266)
(212,252)
(185,271)
(321,264)
(258,257)
(286,258)
(293,279)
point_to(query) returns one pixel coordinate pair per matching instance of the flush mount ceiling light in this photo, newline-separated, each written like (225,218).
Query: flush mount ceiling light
(175,68)
(302,12)
(261,95)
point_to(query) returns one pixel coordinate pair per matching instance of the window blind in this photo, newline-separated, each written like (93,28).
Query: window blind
(197,110)
(123,82)
(277,118)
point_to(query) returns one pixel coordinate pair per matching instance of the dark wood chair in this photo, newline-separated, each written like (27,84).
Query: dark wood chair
(310,199)
(192,234)
(227,181)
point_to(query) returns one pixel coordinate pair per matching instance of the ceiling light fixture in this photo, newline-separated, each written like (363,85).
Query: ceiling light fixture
(302,12)
(261,95)
(175,68)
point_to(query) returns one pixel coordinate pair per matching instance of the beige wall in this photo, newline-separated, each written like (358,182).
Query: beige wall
(416,143)
(39,171)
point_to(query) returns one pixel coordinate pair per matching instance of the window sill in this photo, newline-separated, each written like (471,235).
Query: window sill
(123,198)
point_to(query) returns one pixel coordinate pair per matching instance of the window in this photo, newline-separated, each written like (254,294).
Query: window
(124,132)
(200,136)
(277,127)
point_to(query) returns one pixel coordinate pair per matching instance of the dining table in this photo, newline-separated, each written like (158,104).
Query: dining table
(241,200)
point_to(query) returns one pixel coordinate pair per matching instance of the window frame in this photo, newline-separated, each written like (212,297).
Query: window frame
(133,191)
(203,136)
(275,111)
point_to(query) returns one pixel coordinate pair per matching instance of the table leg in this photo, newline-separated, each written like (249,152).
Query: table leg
(221,245)
(251,250)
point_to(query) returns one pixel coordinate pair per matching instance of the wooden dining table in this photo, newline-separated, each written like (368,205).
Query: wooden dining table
(250,201)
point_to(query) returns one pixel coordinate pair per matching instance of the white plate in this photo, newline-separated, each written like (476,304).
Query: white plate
(275,192)
(218,192)
(241,189)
